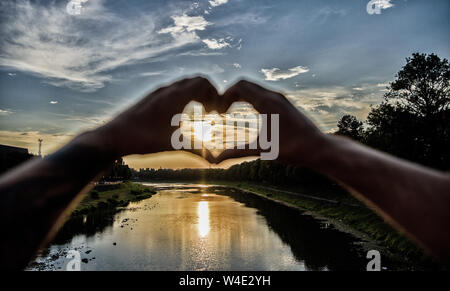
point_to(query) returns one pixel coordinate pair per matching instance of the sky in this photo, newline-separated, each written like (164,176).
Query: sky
(62,73)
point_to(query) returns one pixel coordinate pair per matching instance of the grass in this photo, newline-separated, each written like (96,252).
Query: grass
(111,196)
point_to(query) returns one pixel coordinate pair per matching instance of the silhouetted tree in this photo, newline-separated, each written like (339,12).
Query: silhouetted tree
(119,171)
(413,120)
(350,126)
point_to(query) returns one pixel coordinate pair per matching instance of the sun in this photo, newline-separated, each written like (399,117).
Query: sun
(203,130)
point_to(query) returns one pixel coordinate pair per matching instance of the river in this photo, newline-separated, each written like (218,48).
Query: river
(196,227)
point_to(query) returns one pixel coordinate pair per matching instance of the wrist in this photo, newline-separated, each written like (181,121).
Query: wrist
(101,141)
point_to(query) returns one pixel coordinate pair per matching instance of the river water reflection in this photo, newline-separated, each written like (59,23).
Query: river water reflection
(191,227)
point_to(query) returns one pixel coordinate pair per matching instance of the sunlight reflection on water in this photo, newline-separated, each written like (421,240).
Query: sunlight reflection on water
(203,218)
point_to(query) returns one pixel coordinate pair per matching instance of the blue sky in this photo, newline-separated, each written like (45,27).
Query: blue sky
(61,74)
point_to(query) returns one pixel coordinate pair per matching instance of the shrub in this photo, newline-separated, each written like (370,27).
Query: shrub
(112,201)
(94,194)
(136,191)
(102,205)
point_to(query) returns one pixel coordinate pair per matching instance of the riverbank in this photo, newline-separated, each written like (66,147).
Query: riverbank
(110,196)
(346,215)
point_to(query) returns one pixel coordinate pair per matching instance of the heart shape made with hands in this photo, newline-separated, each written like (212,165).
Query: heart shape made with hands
(227,131)
(239,132)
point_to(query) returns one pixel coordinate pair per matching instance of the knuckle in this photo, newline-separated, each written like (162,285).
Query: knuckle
(242,82)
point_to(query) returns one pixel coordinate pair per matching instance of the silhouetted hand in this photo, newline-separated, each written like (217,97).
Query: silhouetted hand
(299,138)
(146,127)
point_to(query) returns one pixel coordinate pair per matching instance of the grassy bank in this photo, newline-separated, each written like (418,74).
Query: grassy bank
(110,196)
(353,215)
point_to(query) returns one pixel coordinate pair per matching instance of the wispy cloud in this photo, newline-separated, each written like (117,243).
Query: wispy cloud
(151,74)
(276,74)
(199,53)
(69,51)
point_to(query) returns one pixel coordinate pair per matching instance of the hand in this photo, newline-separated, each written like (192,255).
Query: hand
(146,127)
(300,140)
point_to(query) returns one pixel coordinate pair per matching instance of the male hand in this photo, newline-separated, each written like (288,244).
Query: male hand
(146,127)
(300,140)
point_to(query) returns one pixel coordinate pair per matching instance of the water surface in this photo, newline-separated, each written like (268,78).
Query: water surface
(194,227)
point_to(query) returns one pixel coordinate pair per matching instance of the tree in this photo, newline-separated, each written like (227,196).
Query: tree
(119,171)
(413,121)
(422,86)
(350,126)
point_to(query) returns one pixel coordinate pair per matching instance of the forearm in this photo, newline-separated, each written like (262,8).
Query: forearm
(414,198)
(35,197)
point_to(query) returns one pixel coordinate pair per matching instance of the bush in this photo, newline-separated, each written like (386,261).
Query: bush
(94,194)
(102,205)
(136,191)
(149,190)
(112,202)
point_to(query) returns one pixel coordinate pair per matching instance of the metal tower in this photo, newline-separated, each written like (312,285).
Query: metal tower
(40,146)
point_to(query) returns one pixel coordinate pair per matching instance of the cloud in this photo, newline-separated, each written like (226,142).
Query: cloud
(216,43)
(69,51)
(384,85)
(237,66)
(29,140)
(12,74)
(4,112)
(186,24)
(151,74)
(216,69)
(200,53)
(326,105)
(215,3)
(276,74)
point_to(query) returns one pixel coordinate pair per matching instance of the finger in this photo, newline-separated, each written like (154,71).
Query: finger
(197,89)
(236,153)
(263,100)
(204,153)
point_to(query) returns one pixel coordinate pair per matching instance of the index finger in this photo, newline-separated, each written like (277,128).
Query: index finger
(263,100)
(197,89)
